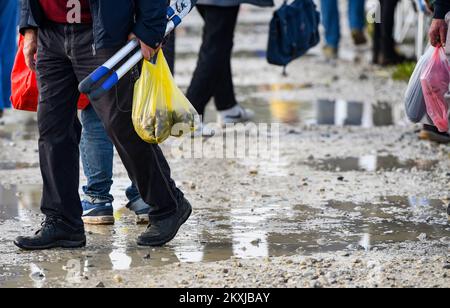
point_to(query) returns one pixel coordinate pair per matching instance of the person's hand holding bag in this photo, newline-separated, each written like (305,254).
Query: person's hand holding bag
(30,48)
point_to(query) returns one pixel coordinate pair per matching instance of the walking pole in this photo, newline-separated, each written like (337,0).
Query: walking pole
(175,14)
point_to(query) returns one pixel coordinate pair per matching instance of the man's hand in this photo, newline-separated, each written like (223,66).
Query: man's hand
(30,48)
(147,52)
(438,32)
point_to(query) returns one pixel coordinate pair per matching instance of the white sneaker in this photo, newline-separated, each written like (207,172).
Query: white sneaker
(203,130)
(237,114)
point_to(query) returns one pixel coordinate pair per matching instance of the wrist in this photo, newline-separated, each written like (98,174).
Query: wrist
(30,33)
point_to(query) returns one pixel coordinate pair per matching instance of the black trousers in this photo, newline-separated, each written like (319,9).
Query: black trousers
(65,57)
(213,77)
(384,43)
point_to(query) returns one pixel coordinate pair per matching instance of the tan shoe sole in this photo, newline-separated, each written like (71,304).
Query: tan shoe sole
(99,220)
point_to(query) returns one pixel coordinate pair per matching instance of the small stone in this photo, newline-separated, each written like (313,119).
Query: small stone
(118,279)
(340,178)
(200,276)
(100,285)
(147,257)
(422,237)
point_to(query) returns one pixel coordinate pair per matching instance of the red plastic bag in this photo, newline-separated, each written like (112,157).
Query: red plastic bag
(24,85)
(435,81)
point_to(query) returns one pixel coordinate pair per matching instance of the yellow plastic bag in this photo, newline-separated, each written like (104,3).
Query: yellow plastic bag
(160,109)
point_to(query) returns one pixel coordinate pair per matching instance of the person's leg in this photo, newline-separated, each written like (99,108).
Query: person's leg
(97,154)
(357,21)
(356,14)
(137,205)
(169,52)
(59,137)
(145,163)
(376,48)
(331,22)
(388,53)
(225,19)
(8,26)
(202,86)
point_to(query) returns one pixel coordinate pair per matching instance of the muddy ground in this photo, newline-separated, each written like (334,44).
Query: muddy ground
(353,199)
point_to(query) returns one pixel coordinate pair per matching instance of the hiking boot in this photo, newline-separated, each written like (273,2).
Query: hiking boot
(234,115)
(431,133)
(359,38)
(97,211)
(160,232)
(55,233)
(141,209)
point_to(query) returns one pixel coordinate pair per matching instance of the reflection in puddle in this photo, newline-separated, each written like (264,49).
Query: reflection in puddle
(19,202)
(393,219)
(372,163)
(281,104)
(343,113)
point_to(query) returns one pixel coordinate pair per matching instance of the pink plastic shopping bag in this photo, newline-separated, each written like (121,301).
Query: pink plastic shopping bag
(435,84)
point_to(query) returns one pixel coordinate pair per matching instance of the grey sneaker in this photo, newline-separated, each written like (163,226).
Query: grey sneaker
(237,114)
(141,209)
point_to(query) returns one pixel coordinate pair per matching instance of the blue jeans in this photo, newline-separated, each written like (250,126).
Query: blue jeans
(331,19)
(97,154)
(8,47)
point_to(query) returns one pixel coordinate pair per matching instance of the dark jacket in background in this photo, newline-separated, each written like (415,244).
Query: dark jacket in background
(113,20)
(441,8)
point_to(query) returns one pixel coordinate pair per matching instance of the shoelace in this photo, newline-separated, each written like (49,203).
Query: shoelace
(48,223)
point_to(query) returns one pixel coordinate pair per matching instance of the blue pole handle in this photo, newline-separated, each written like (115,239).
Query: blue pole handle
(106,86)
(86,85)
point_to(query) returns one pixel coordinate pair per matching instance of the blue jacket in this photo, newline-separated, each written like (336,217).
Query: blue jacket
(113,20)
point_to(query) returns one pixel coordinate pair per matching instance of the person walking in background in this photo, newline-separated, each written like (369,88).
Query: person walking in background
(438,32)
(384,46)
(331,23)
(213,76)
(8,46)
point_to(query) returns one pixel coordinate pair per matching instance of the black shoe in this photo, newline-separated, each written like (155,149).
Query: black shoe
(163,231)
(431,133)
(55,233)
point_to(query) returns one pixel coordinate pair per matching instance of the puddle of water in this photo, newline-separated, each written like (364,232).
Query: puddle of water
(372,163)
(19,126)
(251,228)
(277,109)
(19,202)
(393,219)
(17,165)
